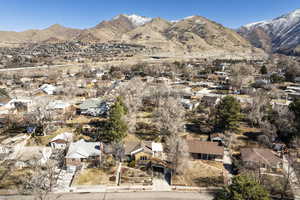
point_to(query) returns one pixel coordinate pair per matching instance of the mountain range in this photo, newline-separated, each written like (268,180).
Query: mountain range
(191,34)
(279,35)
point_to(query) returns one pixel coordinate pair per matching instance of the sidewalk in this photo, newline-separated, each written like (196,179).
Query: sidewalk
(63,181)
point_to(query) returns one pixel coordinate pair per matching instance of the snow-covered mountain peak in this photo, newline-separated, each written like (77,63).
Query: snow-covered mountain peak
(279,22)
(294,14)
(280,34)
(189,17)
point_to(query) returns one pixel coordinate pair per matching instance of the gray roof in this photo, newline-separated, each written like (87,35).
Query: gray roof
(83,149)
(145,146)
(91,103)
(260,155)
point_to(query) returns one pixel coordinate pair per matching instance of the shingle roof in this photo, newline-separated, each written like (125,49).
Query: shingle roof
(145,146)
(67,137)
(259,155)
(83,149)
(197,146)
(91,103)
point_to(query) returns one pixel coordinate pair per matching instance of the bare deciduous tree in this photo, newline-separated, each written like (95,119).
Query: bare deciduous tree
(169,117)
(40,182)
(240,75)
(132,94)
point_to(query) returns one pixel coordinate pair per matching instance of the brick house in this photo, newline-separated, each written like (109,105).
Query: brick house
(205,150)
(82,151)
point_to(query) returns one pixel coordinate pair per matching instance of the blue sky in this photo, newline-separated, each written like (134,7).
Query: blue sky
(20,15)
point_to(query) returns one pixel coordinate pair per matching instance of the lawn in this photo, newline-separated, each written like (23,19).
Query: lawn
(94,176)
(201,173)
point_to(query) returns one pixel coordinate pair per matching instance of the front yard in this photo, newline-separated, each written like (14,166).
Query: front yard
(201,173)
(94,176)
(132,176)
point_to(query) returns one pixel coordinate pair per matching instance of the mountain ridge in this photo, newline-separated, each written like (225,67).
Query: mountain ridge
(278,35)
(190,34)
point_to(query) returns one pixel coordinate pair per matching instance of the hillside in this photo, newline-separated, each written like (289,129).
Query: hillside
(190,35)
(280,35)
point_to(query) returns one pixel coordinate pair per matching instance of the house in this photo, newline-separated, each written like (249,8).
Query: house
(265,158)
(157,149)
(18,105)
(48,89)
(59,106)
(94,107)
(33,155)
(60,141)
(260,83)
(143,151)
(210,100)
(205,150)
(4,151)
(186,103)
(82,151)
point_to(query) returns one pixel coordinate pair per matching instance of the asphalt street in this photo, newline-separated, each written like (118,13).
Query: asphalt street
(120,196)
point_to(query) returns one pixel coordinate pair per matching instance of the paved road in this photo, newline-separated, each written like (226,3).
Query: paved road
(122,196)
(36,67)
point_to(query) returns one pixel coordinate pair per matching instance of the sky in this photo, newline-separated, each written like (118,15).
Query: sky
(19,15)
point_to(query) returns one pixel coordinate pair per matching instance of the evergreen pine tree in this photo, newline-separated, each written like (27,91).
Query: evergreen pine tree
(243,188)
(228,114)
(295,108)
(116,126)
(263,70)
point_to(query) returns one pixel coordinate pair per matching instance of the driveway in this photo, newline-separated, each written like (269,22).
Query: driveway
(160,184)
(227,162)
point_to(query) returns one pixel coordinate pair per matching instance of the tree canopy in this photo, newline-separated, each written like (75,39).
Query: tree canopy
(263,70)
(243,188)
(116,126)
(228,114)
(295,108)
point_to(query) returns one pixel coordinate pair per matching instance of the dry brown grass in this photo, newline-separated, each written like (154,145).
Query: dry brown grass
(11,178)
(131,138)
(200,173)
(83,120)
(93,176)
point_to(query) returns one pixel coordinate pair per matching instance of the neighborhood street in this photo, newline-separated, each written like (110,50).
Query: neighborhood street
(122,196)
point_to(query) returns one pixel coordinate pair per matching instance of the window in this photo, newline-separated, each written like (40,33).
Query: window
(143,158)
